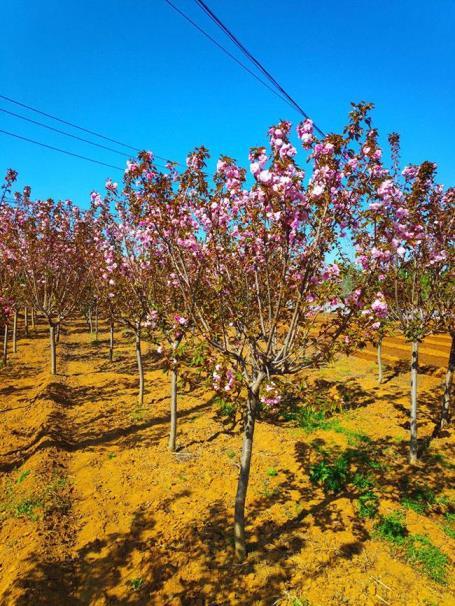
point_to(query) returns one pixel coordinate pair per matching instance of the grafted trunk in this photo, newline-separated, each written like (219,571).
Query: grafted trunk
(140,367)
(26,321)
(380,374)
(5,345)
(245,465)
(111,341)
(53,345)
(413,445)
(15,332)
(445,408)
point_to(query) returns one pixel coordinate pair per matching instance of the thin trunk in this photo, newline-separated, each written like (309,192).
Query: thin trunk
(380,375)
(15,332)
(173,428)
(96,323)
(53,349)
(57,334)
(445,408)
(90,322)
(111,342)
(140,367)
(413,445)
(5,345)
(33,320)
(26,321)
(245,465)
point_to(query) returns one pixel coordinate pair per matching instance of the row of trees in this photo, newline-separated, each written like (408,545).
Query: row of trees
(272,273)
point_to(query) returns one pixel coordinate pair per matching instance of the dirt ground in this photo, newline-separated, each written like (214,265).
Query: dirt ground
(95,511)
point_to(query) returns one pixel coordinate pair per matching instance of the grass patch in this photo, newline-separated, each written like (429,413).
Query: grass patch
(306,418)
(420,499)
(432,561)
(449,526)
(415,548)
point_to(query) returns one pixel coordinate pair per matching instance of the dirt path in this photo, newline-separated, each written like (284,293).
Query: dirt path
(125,522)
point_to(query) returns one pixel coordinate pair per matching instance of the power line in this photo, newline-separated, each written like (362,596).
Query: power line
(81,128)
(228,53)
(62,132)
(63,151)
(252,58)
(283,94)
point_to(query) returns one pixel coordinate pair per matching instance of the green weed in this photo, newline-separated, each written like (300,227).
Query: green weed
(332,476)
(136,583)
(23,476)
(367,504)
(225,408)
(392,527)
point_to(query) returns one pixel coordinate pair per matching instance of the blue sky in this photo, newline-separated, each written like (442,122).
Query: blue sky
(136,71)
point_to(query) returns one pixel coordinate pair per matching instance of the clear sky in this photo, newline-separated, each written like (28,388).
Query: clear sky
(136,71)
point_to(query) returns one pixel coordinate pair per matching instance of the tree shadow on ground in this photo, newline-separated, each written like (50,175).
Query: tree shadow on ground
(401,367)
(88,435)
(132,568)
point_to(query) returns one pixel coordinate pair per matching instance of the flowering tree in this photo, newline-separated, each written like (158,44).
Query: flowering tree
(163,302)
(404,248)
(124,263)
(47,244)
(252,264)
(445,297)
(8,269)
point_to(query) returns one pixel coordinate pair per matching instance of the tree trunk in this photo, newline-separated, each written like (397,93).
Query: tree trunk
(245,464)
(445,409)
(96,323)
(57,333)
(15,332)
(90,322)
(53,349)
(380,374)
(5,345)
(173,430)
(413,445)
(140,367)
(33,320)
(26,321)
(111,342)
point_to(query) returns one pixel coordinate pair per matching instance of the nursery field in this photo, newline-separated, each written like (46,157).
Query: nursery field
(95,510)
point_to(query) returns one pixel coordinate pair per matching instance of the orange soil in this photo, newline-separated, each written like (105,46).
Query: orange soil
(95,511)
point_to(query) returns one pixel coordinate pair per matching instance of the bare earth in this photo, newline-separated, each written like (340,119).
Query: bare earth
(95,511)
